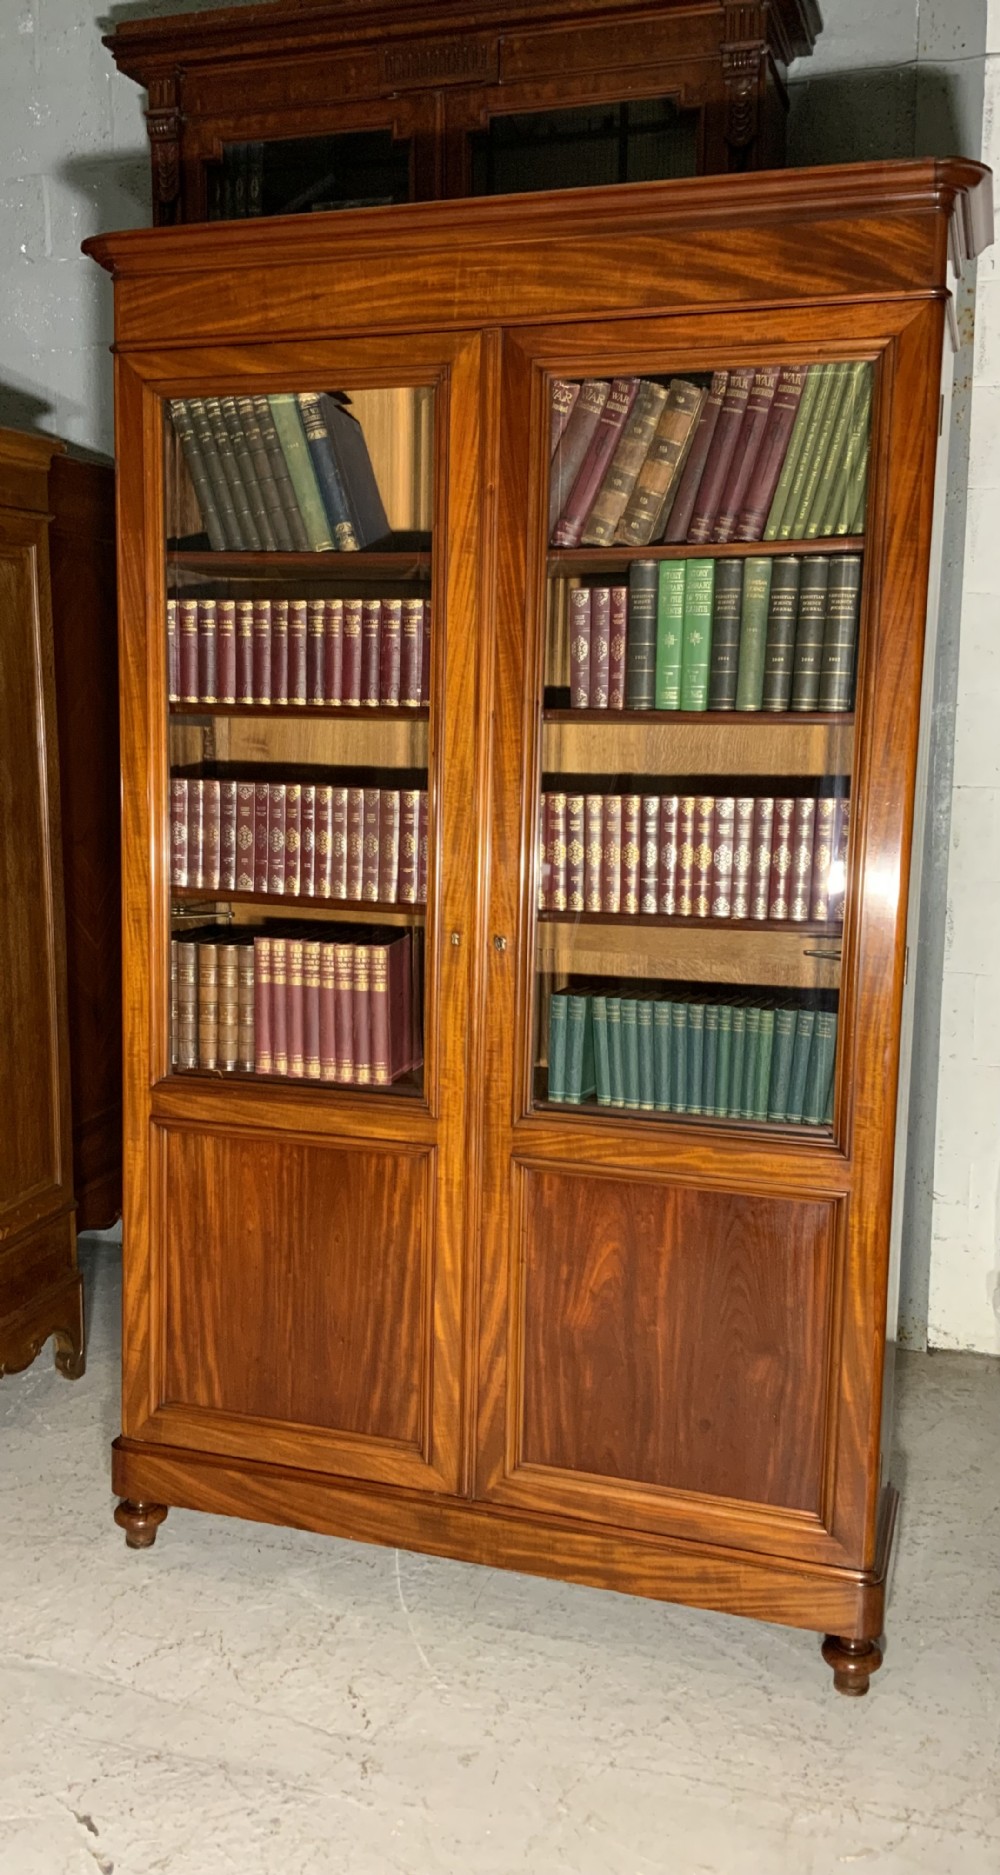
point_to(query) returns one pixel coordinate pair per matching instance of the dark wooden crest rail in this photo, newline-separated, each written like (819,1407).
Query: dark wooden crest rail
(638,1353)
(434,78)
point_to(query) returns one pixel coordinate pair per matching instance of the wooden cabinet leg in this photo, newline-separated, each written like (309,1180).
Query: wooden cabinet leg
(140,1522)
(853,1663)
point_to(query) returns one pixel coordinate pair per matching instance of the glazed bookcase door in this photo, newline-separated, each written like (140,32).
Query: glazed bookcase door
(306,1022)
(704,710)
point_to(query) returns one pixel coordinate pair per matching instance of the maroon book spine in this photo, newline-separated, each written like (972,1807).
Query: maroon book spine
(409,835)
(544,859)
(276,837)
(819,884)
(244,836)
(298,610)
(743,827)
(225,649)
(178,830)
(563,394)
(173,653)
(593,854)
(262,651)
(423,848)
(666,880)
(352,652)
(748,444)
(760,865)
(371,647)
(411,652)
(227,835)
(378,1005)
(596,462)
(327,1014)
(343,968)
(649,861)
(355,841)
(362,1016)
(188,653)
(369,863)
(704,830)
(315,629)
(195,833)
(388,845)
(338,843)
(611,854)
(294,1003)
(279,650)
(263,1057)
(293,839)
(803,836)
(279,1005)
(261,804)
(617,647)
(694,468)
(631,852)
(323,842)
(208,681)
(574,444)
(307,841)
(295,1011)
(600,645)
(684,890)
(333,650)
(723,833)
(244,650)
(310,1007)
(752,518)
(425,656)
(721,453)
(579,648)
(390,651)
(838,870)
(781,856)
(555,851)
(574,852)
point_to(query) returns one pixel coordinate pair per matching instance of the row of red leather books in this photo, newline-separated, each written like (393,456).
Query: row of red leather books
(754,857)
(289,1004)
(319,652)
(299,839)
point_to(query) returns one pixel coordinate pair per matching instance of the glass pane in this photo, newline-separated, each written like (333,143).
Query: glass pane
(643,140)
(704,593)
(299,557)
(295,175)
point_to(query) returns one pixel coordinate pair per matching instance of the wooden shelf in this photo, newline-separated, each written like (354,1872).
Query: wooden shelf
(632,920)
(409,563)
(564,562)
(666,742)
(406,1086)
(593,1110)
(689,950)
(186,712)
(293,902)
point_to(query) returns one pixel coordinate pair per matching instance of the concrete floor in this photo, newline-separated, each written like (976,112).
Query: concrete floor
(242,1699)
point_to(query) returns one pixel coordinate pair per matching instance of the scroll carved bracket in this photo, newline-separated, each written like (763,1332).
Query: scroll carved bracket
(163,126)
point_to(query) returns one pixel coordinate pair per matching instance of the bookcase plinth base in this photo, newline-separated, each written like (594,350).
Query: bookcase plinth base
(834,1602)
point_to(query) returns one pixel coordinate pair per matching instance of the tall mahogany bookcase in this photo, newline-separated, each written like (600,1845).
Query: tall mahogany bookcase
(641,1350)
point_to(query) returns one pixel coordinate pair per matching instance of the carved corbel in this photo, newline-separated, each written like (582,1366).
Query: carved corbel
(163,124)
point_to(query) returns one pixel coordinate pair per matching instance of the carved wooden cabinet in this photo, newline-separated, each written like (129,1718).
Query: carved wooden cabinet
(643,1343)
(262,109)
(40,1289)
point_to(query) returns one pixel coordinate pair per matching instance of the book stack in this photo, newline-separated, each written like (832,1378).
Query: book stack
(773,452)
(289,472)
(291,839)
(354,652)
(757,857)
(733,1057)
(291,1005)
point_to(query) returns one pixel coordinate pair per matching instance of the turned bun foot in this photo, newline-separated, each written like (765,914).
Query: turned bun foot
(140,1522)
(853,1663)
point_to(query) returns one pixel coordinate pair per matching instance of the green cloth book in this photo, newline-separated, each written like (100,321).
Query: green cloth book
(765,1051)
(819,1077)
(814,485)
(840,632)
(696,648)
(734,1098)
(678,1059)
(710,1058)
(557,1047)
(805,1022)
(602,1059)
(750,1055)
(779,647)
(662,1025)
(809,632)
(669,634)
(695,1055)
(295,449)
(856,462)
(793,456)
(630,1051)
(781,1064)
(617,1069)
(644,1024)
(580,1079)
(830,494)
(817,410)
(725,656)
(753,632)
(722,1063)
